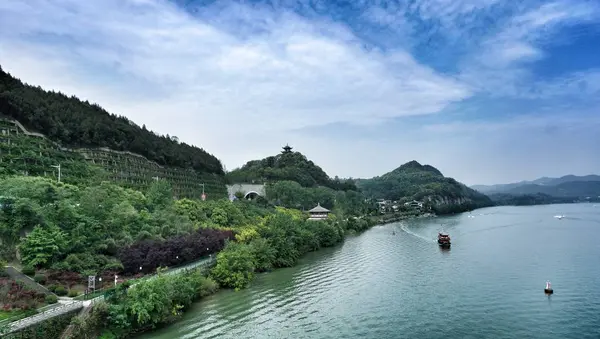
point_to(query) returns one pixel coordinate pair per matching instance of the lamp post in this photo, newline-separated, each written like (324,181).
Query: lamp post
(203,196)
(57,167)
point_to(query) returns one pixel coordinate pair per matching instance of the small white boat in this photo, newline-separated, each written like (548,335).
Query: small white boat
(559,216)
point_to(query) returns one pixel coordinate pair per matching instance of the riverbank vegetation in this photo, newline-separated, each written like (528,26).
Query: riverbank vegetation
(63,233)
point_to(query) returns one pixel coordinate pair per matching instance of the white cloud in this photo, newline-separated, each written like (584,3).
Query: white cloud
(499,65)
(236,79)
(289,76)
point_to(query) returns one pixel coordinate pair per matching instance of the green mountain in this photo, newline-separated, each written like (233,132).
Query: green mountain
(75,123)
(545,181)
(413,181)
(287,166)
(40,129)
(570,189)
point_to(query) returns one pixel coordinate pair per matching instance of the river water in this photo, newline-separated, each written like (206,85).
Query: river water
(381,285)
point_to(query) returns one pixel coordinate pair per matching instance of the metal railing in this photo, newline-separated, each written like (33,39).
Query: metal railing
(76,304)
(34,319)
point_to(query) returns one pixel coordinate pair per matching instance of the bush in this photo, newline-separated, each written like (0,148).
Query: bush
(52,288)
(60,291)
(235,266)
(3,273)
(51,299)
(72,294)
(28,270)
(207,286)
(39,278)
(153,254)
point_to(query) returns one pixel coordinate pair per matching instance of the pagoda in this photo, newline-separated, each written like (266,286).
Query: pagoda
(318,213)
(287,149)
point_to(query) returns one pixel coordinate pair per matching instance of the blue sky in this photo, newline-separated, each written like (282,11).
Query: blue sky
(488,91)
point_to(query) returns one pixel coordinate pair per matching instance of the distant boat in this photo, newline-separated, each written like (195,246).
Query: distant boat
(559,216)
(548,289)
(443,239)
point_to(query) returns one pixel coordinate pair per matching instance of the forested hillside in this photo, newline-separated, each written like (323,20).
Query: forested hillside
(287,166)
(75,123)
(534,186)
(573,189)
(424,183)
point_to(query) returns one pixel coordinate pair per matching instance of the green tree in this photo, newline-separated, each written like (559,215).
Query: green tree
(235,266)
(160,195)
(42,246)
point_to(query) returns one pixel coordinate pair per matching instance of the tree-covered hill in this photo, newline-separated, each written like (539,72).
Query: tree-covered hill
(534,186)
(573,189)
(75,123)
(424,183)
(287,166)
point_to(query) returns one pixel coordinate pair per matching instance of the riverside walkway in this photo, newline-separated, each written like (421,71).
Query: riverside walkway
(67,306)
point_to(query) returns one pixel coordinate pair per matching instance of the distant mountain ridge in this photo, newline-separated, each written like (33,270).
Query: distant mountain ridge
(536,186)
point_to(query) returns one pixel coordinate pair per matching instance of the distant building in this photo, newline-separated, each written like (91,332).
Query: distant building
(287,149)
(318,213)
(414,204)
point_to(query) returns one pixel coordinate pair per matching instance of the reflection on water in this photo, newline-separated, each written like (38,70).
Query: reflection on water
(383,285)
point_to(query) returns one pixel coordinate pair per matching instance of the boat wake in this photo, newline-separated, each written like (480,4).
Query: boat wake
(405,228)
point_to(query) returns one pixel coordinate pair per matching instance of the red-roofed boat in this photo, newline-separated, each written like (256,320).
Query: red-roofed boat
(443,239)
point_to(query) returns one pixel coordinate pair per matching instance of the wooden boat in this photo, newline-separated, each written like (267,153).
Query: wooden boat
(443,239)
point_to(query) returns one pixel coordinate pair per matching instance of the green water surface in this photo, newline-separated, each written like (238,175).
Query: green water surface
(381,285)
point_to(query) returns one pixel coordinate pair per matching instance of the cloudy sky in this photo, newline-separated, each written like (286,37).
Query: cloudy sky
(488,91)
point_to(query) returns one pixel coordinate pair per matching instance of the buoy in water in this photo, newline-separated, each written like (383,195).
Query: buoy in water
(548,289)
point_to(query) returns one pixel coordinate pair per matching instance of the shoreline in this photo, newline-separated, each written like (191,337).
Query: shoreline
(396,218)
(371,220)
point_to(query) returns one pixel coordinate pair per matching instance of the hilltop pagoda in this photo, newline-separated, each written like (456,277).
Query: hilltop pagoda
(318,213)
(287,149)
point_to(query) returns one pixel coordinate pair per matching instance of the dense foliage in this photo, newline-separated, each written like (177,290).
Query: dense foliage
(413,181)
(66,232)
(292,166)
(278,240)
(36,156)
(155,301)
(151,254)
(81,228)
(73,122)
(290,194)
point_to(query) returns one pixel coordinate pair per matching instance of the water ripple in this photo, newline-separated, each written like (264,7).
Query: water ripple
(382,285)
